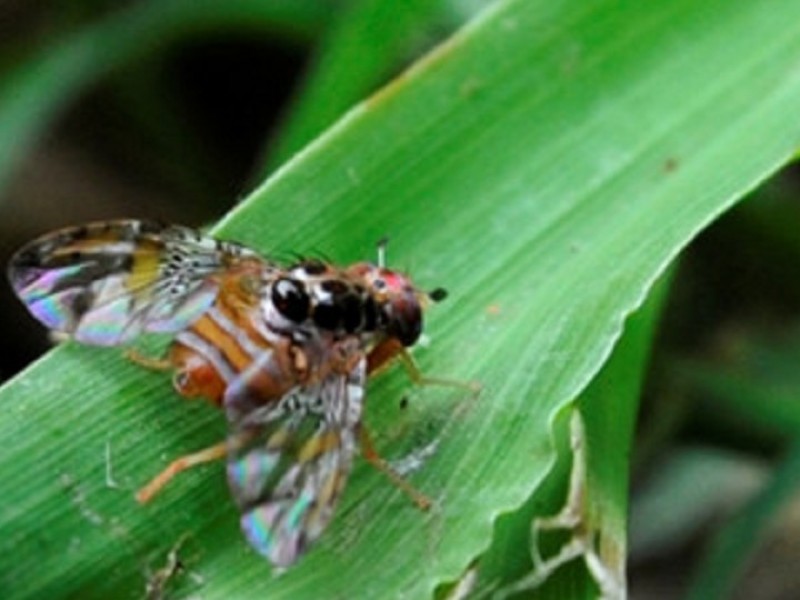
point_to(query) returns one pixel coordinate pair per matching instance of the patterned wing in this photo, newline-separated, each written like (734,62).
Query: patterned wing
(291,463)
(105,283)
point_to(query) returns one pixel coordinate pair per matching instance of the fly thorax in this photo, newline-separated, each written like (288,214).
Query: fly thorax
(316,296)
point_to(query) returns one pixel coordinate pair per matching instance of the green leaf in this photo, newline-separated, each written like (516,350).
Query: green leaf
(756,391)
(365,42)
(691,488)
(750,393)
(589,480)
(545,165)
(727,555)
(35,91)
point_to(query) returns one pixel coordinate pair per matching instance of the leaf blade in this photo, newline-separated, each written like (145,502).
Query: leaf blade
(498,179)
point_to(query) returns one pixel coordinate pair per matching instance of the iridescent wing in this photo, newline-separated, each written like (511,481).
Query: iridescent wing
(105,283)
(290,461)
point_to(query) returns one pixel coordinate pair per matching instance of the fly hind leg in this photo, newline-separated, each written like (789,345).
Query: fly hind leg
(183,463)
(212,453)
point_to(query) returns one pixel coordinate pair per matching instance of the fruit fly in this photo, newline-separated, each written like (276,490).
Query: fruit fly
(284,350)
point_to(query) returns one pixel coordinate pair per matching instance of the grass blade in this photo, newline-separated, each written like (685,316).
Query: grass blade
(545,164)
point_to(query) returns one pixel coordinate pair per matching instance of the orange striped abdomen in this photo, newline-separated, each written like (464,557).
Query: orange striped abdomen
(223,348)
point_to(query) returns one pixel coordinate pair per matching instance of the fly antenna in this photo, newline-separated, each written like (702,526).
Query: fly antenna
(382,243)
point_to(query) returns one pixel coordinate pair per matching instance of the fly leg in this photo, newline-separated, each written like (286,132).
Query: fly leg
(148,362)
(391,349)
(376,460)
(210,454)
(378,359)
(416,376)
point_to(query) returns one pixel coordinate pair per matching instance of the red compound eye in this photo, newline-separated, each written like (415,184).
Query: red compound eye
(406,324)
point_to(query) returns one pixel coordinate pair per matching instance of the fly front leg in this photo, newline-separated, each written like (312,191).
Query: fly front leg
(391,349)
(419,379)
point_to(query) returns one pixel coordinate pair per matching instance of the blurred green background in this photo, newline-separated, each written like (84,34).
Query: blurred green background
(177,110)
